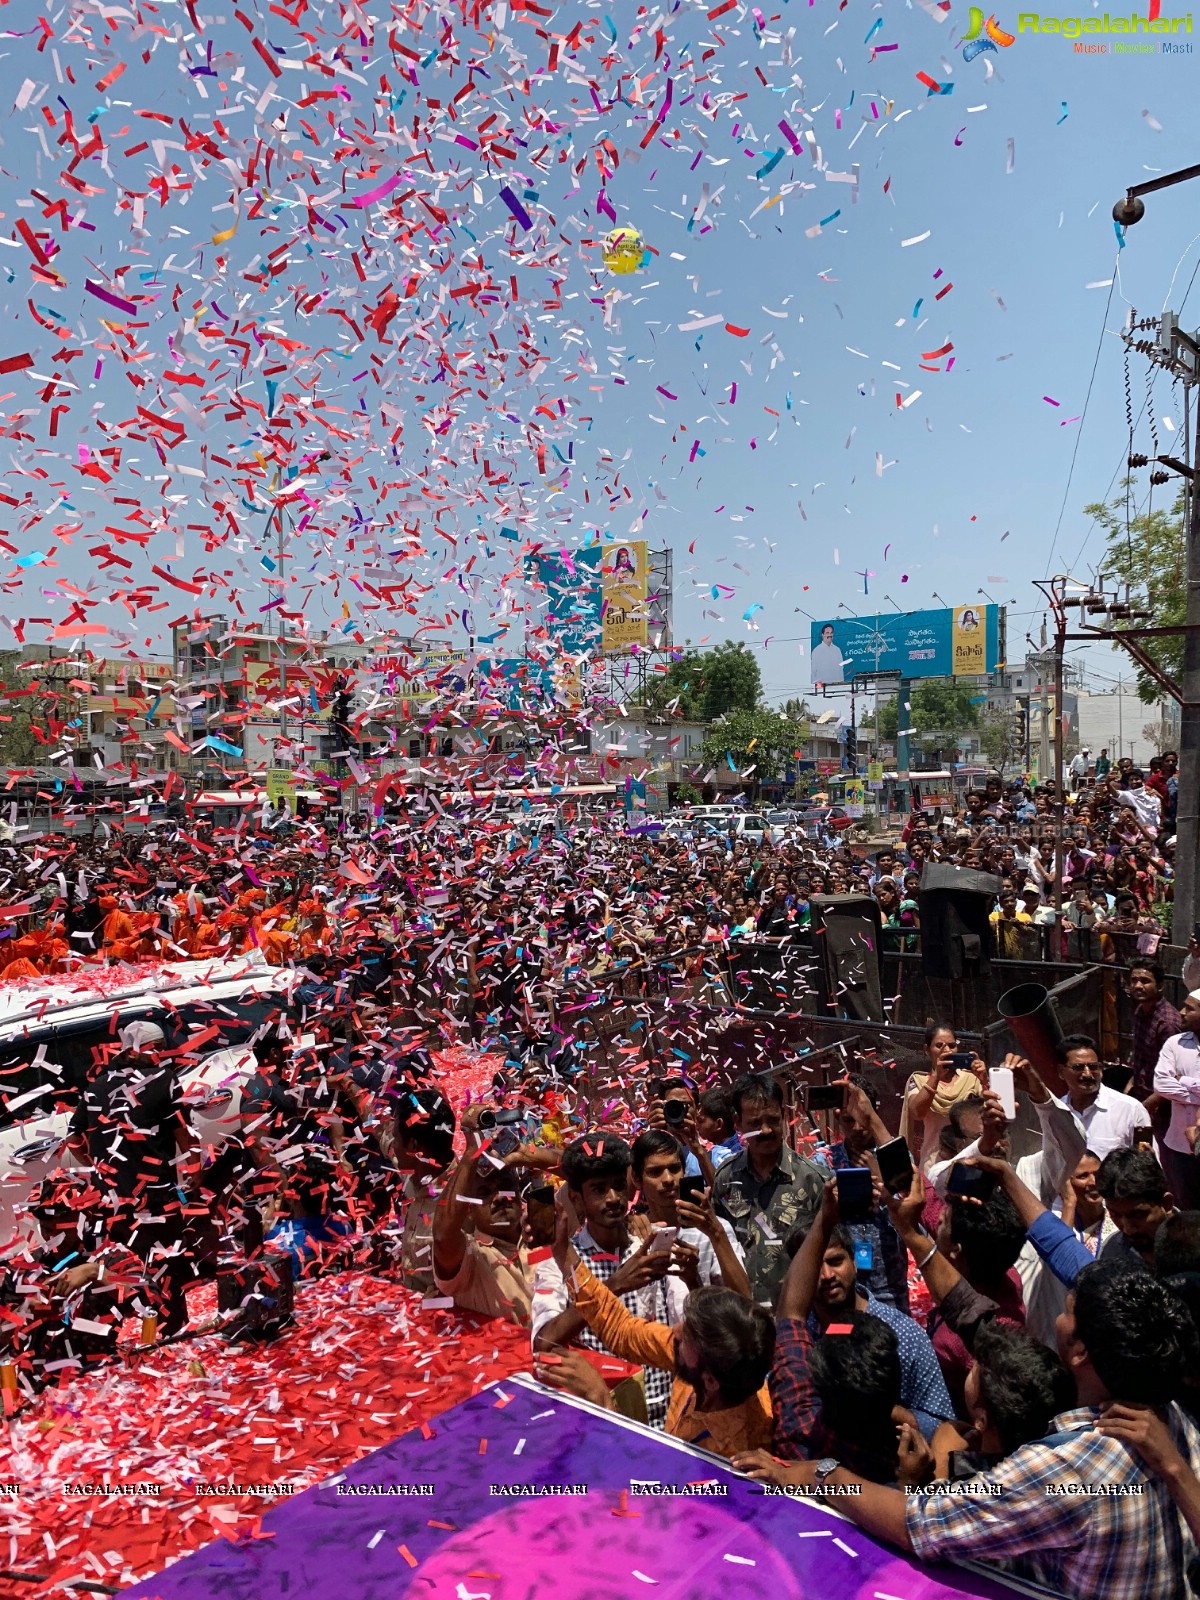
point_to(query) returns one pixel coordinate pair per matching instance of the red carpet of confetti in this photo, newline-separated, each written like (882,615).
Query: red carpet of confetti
(364,1363)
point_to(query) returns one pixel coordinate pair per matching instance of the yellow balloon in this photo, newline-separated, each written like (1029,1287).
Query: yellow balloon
(623,250)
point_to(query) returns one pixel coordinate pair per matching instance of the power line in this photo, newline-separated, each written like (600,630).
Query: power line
(1082,420)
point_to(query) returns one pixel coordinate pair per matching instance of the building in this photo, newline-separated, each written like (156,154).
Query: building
(114,712)
(1117,721)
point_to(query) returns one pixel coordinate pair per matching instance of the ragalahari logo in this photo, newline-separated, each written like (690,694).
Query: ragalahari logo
(981,36)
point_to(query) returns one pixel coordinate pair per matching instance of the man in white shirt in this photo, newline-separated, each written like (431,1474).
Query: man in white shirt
(1109,1120)
(658,1172)
(1145,804)
(1079,766)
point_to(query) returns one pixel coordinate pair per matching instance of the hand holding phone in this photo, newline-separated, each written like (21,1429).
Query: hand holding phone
(970,1183)
(1000,1080)
(662,1241)
(855,1192)
(824,1097)
(895,1166)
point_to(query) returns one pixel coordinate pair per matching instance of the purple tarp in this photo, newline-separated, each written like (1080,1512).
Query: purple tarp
(464,1542)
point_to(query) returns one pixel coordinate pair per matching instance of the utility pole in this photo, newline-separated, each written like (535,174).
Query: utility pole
(1055,591)
(1181,355)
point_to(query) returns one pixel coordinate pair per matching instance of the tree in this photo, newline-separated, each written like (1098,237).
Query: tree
(938,708)
(756,738)
(1002,739)
(1149,553)
(1160,735)
(797,710)
(701,685)
(732,681)
(25,721)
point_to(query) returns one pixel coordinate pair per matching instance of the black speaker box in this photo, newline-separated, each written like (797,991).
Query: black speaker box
(956,936)
(845,930)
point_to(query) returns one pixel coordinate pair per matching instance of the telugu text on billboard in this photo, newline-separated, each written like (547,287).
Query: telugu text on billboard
(952,642)
(625,587)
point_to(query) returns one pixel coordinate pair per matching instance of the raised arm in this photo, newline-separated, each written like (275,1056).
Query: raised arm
(800,1286)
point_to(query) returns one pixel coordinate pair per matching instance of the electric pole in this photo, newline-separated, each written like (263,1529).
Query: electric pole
(1181,355)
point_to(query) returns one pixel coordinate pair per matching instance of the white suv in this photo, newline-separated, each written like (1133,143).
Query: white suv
(48,1031)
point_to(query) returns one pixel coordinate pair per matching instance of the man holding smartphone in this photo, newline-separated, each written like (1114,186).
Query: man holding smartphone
(879,1257)
(706,1250)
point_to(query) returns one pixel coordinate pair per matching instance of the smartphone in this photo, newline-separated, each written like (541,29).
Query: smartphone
(1000,1081)
(1196,932)
(824,1097)
(692,1190)
(895,1166)
(662,1241)
(962,1059)
(856,1199)
(967,1181)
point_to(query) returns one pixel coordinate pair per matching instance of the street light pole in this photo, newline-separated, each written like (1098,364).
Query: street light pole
(1183,354)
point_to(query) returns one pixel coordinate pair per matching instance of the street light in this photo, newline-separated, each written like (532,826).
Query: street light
(1132,208)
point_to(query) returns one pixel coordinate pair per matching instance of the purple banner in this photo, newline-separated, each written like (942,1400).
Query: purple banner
(465,1515)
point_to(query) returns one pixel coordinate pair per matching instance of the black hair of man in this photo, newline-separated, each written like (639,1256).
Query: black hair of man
(600,1155)
(1131,1175)
(971,1106)
(1074,1041)
(1177,1244)
(1139,1336)
(869,1089)
(840,1238)
(754,1089)
(858,1379)
(424,1119)
(663,1086)
(1022,1383)
(735,1339)
(1148,964)
(714,1103)
(991,1236)
(653,1142)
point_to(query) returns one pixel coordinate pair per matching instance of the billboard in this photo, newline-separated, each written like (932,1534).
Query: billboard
(625,590)
(952,642)
(571,581)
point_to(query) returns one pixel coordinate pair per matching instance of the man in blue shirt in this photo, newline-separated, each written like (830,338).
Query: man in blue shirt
(879,1256)
(839,1300)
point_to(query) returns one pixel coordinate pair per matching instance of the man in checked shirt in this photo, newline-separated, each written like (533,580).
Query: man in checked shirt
(597,1173)
(1076,1511)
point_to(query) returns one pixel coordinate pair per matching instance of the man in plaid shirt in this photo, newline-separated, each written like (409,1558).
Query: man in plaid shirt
(597,1171)
(1075,1511)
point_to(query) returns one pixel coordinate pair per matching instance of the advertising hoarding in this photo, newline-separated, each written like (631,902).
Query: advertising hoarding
(952,642)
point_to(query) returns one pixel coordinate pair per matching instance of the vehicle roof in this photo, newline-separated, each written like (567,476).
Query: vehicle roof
(97,990)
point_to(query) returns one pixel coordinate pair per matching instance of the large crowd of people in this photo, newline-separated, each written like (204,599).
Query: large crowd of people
(974,1355)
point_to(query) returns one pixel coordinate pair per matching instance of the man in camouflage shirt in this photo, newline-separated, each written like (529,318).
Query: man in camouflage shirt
(766,1190)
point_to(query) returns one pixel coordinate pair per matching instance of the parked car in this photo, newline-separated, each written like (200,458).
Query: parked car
(818,820)
(49,1030)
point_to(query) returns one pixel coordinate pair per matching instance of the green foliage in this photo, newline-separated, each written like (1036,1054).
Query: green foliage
(1002,740)
(703,684)
(760,739)
(1150,555)
(686,794)
(936,710)
(19,745)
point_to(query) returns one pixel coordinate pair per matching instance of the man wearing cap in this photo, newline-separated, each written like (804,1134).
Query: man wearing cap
(1031,903)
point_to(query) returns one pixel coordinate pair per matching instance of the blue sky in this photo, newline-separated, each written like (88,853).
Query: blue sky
(959,490)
